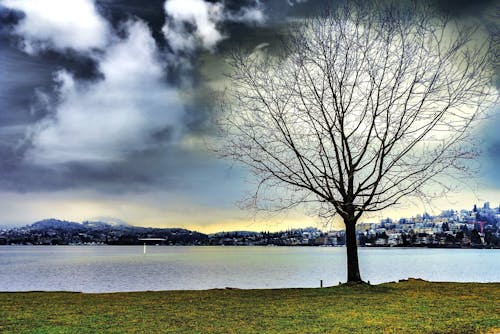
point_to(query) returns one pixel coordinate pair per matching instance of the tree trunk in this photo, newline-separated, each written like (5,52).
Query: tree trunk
(353,275)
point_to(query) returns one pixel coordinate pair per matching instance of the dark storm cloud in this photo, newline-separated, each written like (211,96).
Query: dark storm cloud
(139,172)
(23,75)
(466,7)
(9,18)
(119,11)
(317,7)
(489,139)
(181,172)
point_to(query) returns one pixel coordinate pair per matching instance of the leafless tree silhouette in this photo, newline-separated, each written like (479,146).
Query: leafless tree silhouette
(363,108)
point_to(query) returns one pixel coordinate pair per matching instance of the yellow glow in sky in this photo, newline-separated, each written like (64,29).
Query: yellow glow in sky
(22,209)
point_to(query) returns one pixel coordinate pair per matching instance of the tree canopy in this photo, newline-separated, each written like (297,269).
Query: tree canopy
(363,108)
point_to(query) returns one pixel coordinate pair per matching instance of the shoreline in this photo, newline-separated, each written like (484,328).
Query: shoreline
(342,284)
(271,245)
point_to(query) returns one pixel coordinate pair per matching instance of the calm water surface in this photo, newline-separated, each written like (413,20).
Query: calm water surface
(125,268)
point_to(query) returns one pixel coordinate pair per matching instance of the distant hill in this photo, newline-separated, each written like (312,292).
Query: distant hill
(55,224)
(62,232)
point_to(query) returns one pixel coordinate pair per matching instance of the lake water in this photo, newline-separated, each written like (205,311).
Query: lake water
(125,268)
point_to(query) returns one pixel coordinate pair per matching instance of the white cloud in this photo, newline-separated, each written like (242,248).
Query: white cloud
(59,24)
(203,16)
(194,23)
(105,120)
(250,15)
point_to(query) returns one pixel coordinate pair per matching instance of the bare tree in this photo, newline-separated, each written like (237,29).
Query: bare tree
(362,109)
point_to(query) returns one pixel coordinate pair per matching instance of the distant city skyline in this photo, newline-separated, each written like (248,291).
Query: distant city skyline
(476,228)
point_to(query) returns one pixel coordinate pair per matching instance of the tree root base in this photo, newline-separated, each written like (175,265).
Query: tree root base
(354,283)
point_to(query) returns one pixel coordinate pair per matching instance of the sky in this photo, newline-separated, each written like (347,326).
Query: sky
(106,109)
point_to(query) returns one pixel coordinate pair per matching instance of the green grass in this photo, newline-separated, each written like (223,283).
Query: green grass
(407,307)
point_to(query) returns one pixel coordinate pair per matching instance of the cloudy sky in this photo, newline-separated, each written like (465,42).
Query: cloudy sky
(105,111)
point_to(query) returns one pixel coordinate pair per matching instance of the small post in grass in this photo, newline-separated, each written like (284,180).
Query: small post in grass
(321,283)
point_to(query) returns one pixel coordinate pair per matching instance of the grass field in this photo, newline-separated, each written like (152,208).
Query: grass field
(407,307)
